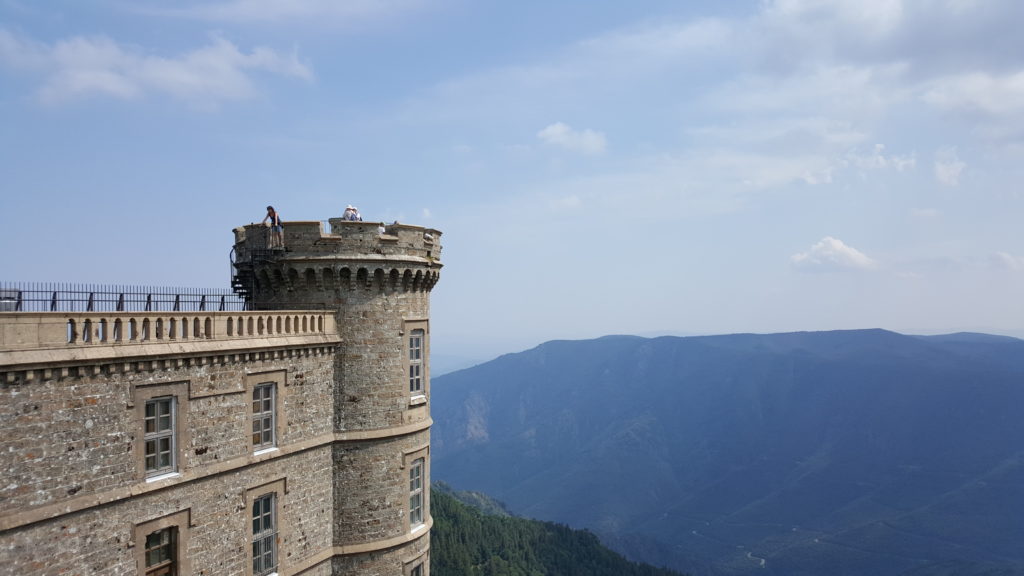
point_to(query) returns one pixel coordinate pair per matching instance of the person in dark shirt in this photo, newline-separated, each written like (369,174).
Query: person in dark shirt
(273,219)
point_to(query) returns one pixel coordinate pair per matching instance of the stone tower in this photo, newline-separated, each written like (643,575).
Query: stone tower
(376,282)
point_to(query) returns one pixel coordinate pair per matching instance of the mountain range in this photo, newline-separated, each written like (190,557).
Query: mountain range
(861,452)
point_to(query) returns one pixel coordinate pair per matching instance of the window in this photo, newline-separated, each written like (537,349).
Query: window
(161,552)
(264,535)
(159,440)
(266,393)
(160,413)
(263,410)
(416,493)
(160,545)
(418,566)
(416,338)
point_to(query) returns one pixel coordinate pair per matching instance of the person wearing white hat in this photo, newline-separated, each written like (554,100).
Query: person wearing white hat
(351,214)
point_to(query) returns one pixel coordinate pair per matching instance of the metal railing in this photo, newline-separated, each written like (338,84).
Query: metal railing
(59,297)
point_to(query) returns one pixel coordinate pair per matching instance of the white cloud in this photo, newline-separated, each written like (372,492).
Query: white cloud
(925,214)
(585,141)
(832,254)
(661,44)
(564,203)
(81,66)
(948,167)
(1007,261)
(884,13)
(878,160)
(993,94)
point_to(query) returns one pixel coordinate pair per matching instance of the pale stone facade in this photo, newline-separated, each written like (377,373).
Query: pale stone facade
(291,439)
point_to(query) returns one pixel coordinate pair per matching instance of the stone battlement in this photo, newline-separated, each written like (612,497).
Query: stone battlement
(373,241)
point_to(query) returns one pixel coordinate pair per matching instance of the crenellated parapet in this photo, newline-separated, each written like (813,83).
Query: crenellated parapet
(350,257)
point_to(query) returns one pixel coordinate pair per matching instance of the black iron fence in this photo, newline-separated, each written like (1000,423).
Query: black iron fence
(56,297)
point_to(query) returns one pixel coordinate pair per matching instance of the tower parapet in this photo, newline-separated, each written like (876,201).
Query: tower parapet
(316,267)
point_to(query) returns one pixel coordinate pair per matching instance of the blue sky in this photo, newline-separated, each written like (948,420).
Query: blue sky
(596,167)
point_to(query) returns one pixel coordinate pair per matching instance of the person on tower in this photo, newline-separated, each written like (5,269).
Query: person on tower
(352,214)
(273,219)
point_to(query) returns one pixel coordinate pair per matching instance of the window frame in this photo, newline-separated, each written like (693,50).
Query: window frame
(421,563)
(263,419)
(416,499)
(159,435)
(415,359)
(418,458)
(277,378)
(278,490)
(416,369)
(264,536)
(179,522)
(141,396)
(168,566)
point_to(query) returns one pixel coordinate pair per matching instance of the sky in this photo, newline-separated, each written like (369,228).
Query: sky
(601,167)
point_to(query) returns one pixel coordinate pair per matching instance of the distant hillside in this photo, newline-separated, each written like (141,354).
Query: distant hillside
(851,452)
(466,541)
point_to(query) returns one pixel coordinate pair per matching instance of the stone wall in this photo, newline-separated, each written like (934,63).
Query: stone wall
(73,489)
(101,540)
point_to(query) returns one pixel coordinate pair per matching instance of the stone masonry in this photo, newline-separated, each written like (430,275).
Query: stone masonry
(293,438)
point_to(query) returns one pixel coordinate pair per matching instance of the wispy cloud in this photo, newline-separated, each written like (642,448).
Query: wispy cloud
(97,66)
(1007,261)
(995,94)
(877,159)
(832,254)
(948,167)
(585,141)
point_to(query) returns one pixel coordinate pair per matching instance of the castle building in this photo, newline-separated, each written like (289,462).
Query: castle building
(177,436)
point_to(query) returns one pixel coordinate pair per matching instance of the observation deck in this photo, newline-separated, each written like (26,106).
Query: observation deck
(398,257)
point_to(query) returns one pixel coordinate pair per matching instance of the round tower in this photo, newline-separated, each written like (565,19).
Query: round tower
(376,279)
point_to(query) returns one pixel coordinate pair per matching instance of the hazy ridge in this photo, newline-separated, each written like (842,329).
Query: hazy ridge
(847,452)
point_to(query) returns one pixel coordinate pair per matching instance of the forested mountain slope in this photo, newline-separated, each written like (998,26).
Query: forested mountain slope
(466,541)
